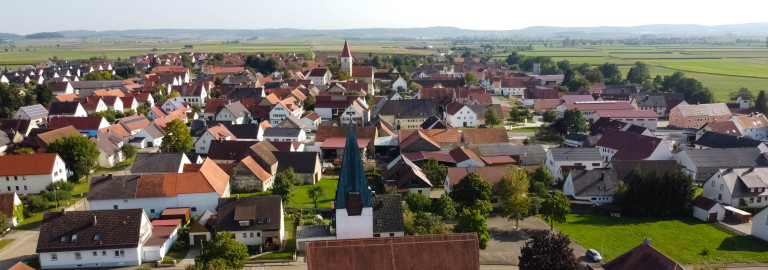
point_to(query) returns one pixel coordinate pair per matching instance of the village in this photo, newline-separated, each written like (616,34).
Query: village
(232,160)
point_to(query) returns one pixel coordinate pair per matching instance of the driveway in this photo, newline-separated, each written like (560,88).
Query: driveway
(505,244)
(22,249)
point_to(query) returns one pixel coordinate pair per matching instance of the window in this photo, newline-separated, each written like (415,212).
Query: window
(720,197)
(96,237)
(115,206)
(15,178)
(245,235)
(751,200)
(152,211)
(258,234)
(251,234)
(391,234)
(721,186)
(713,182)
(103,253)
(119,253)
(596,164)
(376,235)
(63,239)
(25,187)
(78,256)
(54,257)
(17,188)
(95,253)
(194,209)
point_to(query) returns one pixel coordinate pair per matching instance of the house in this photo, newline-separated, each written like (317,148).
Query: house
(460,115)
(16,129)
(708,210)
(358,112)
(165,232)
(234,112)
(320,76)
(174,104)
(738,186)
(34,113)
(149,136)
(596,186)
(67,109)
(110,149)
(646,119)
(623,145)
(291,121)
(525,154)
(248,132)
(200,230)
(754,125)
(480,111)
(643,256)
(89,125)
(333,106)
(129,104)
(311,121)
(433,122)
(696,116)
(285,135)
(428,139)
(618,92)
(458,251)
(11,207)
(654,103)
(60,87)
(229,151)
(113,103)
(30,174)
(249,176)
(192,93)
(408,113)
(760,225)
(263,153)
(159,163)
(93,238)
(399,85)
(40,141)
(405,176)
(306,165)
(255,220)
(561,160)
(199,191)
(722,127)
(282,109)
(512,87)
(93,104)
(588,108)
(479,136)
(466,158)
(718,140)
(701,164)
(216,133)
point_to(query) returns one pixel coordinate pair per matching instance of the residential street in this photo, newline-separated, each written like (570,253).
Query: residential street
(21,249)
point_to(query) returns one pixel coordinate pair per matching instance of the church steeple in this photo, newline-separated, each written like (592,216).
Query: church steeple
(352,182)
(346,59)
(345,52)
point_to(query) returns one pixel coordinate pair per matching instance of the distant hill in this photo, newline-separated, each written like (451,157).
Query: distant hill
(44,35)
(9,36)
(429,32)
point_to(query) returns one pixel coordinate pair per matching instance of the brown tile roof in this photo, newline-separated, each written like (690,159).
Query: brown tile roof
(115,229)
(20,266)
(437,135)
(723,127)
(643,257)
(135,122)
(212,105)
(362,71)
(229,150)
(324,132)
(749,121)
(628,145)
(118,129)
(485,136)
(454,108)
(714,109)
(53,135)
(255,168)
(108,92)
(419,136)
(66,97)
(704,203)
(221,132)
(194,167)
(490,174)
(80,123)
(253,209)
(461,154)
(445,252)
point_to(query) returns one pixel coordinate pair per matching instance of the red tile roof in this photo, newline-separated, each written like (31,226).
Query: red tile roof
(643,257)
(498,160)
(35,164)
(345,52)
(629,145)
(20,266)
(80,123)
(339,142)
(256,169)
(53,135)
(362,71)
(437,135)
(485,136)
(627,114)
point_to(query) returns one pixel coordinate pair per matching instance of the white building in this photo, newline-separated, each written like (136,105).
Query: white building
(708,210)
(282,109)
(760,225)
(220,132)
(255,220)
(34,113)
(235,113)
(596,186)
(624,145)
(30,174)
(399,84)
(460,115)
(734,186)
(753,125)
(572,158)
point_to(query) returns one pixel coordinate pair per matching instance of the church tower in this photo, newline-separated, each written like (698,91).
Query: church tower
(346,59)
(354,212)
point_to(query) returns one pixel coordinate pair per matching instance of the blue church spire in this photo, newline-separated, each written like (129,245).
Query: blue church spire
(352,178)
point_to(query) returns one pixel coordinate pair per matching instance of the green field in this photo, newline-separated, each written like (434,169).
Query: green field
(683,240)
(299,197)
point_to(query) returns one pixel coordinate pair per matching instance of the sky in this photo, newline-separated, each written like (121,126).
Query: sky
(27,17)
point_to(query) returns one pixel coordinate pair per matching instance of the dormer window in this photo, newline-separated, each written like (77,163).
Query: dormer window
(245,223)
(268,220)
(96,237)
(63,239)
(261,220)
(74,237)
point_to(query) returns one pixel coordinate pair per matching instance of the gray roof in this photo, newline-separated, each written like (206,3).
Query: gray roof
(96,84)
(387,213)
(303,232)
(718,140)
(529,154)
(154,130)
(254,209)
(237,109)
(113,187)
(150,163)
(282,132)
(35,111)
(64,108)
(725,157)
(594,182)
(243,131)
(740,180)
(301,162)
(409,108)
(576,154)
(651,101)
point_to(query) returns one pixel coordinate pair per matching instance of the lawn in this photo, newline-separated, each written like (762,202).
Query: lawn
(683,240)
(5,242)
(299,197)
(290,245)
(78,192)
(525,129)
(177,254)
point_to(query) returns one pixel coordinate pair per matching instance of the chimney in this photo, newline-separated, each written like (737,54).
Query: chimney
(602,176)
(94,220)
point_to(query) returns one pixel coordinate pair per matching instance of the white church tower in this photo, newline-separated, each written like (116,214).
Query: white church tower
(346,59)
(354,211)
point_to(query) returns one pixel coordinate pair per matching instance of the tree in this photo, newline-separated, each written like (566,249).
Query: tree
(177,138)
(555,208)
(550,116)
(541,180)
(341,75)
(129,151)
(611,73)
(143,109)
(513,189)
(547,250)
(761,102)
(417,202)
(24,151)
(578,82)
(422,223)
(743,93)
(98,76)
(564,64)
(284,181)
(315,193)
(594,75)
(12,100)
(640,195)
(584,68)
(78,152)
(574,121)
(470,79)
(309,103)
(434,171)
(43,94)
(224,248)
(514,58)
(37,203)
(173,94)
(443,207)
(196,108)
(639,73)
(5,222)
(492,117)
(473,221)
(57,191)
(471,188)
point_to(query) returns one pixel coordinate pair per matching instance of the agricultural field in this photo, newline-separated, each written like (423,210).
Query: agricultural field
(721,69)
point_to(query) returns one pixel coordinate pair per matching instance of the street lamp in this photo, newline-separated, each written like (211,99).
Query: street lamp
(55,196)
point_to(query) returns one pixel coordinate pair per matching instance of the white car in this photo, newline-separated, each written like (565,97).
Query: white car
(594,255)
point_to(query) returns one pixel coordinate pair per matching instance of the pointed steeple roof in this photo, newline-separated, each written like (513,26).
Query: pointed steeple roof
(345,52)
(352,178)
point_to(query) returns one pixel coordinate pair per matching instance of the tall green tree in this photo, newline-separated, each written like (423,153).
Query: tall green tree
(541,180)
(435,172)
(224,248)
(284,181)
(315,193)
(550,116)
(418,202)
(555,208)
(743,93)
(492,117)
(547,250)
(473,221)
(470,79)
(578,82)
(611,73)
(761,102)
(638,73)
(309,103)
(78,152)
(177,138)
(574,121)
(12,99)
(513,189)
(564,65)
(129,151)
(443,207)
(422,223)
(99,76)
(471,188)
(43,94)
(594,75)
(640,194)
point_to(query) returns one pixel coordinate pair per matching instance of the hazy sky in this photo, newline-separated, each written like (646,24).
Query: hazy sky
(25,17)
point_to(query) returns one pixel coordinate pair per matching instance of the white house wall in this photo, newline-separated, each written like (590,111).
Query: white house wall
(103,258)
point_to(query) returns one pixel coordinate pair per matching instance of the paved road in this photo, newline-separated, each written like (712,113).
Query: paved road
(22,249)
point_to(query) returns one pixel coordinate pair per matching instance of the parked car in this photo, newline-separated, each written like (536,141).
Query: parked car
(594,255)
